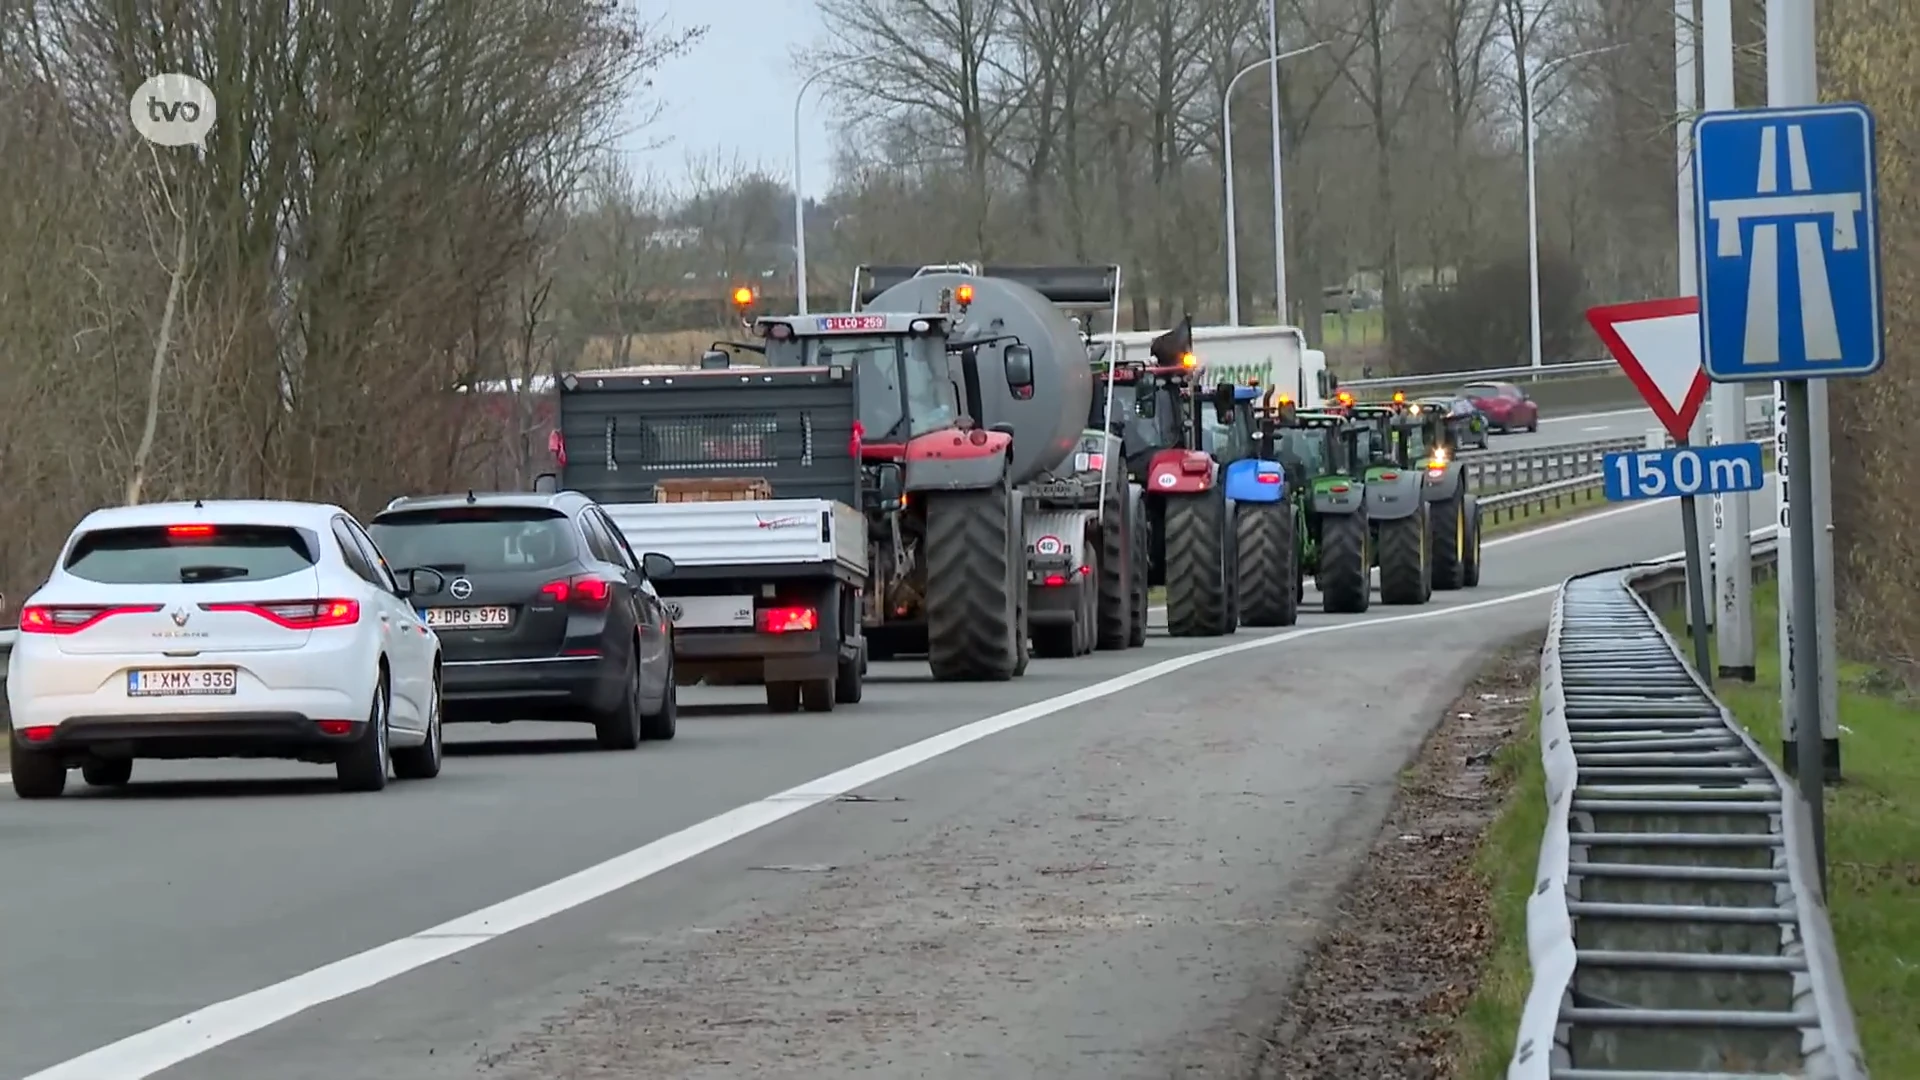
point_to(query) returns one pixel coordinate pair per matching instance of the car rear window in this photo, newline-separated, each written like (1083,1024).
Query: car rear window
(190,554)
(475,539)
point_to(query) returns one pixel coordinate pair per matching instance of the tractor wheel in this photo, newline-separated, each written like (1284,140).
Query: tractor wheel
(1346,564)
(1115,620)
(1197,602)
(1406,560)
(973,610)
(1471,572)
(1269,565)
(1450,521)
(1142,556)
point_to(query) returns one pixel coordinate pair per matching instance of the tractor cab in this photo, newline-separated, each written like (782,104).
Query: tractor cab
(1313,445)
(1169,407)
(901,361)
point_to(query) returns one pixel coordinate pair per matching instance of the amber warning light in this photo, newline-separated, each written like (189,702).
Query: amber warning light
(964,294)
(742,297)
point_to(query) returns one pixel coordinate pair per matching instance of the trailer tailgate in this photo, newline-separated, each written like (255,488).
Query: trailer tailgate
(747,532)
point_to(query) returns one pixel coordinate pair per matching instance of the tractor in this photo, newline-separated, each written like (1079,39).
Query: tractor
(1322,455)
(1191,450)
(1427,443)
(1398,517)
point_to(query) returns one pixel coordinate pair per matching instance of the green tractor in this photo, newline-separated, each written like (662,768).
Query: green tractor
(1323,454)
(1427,443)
(1398,514)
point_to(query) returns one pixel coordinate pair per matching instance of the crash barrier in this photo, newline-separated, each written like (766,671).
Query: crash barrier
(1589,384)
(1499,470)
(1676,928)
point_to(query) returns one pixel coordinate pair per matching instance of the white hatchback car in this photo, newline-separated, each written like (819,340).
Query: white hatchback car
(224,629)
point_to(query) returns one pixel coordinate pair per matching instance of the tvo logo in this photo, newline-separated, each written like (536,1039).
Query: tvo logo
(173,110)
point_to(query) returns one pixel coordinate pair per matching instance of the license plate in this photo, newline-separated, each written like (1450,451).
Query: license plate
(181,682)
(709,612)
(464,617)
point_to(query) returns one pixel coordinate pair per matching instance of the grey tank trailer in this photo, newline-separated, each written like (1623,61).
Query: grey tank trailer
(1000,524)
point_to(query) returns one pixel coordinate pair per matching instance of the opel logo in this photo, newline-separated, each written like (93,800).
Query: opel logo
(180,616)
(461,588)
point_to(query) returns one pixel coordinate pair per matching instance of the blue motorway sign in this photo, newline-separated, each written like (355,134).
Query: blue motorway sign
(1786,219)
(1683,470)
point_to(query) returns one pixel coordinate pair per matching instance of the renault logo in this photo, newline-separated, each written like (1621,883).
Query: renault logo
(180,616)
(461,588)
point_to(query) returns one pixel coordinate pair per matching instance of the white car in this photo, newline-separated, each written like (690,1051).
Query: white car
(224,629)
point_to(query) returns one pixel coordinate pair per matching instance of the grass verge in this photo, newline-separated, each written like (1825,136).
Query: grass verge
(1509,852)
(1873,835)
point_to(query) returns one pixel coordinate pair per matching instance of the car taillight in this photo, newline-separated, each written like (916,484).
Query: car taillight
(1054,581)
(73,618)
(298,614)
(189,532)
(1268,478)
(582,591)
(788,620)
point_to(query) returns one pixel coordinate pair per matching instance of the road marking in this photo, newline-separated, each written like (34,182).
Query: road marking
(189,1036)
(1595,416)
(1597,427)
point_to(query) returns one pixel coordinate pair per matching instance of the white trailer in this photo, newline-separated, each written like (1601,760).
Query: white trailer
(1272,355)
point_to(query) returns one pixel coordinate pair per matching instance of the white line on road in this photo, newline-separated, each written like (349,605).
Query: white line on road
(163,1047)
(1596,427)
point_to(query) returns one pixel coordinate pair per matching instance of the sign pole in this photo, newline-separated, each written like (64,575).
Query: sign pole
(1732,515)
(1804,649)
(1686,93)
(1792,79)
(1696,581)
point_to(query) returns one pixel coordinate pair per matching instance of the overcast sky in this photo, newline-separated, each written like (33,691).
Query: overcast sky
(733,93)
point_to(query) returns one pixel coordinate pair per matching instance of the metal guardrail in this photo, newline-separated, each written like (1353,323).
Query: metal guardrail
(1573,369)
(1676,930)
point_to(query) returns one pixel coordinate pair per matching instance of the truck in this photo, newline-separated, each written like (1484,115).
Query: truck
(751,483)
(1084,587)
(1267,356)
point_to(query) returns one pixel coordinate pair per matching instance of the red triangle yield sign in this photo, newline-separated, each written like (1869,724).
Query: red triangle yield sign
(1657,344)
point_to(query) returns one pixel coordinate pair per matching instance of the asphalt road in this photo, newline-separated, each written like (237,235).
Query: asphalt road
(1105,887)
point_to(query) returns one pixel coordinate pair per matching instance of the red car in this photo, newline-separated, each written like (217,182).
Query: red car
(1506,406)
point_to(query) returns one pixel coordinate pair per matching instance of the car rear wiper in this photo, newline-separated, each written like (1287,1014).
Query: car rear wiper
(190,575)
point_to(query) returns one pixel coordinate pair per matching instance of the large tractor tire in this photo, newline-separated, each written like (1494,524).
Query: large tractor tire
(1471,572)
(1269,565)
(1197,600)
(1450,522)
(1114,625)
(1142,555)
(1406,558)
(1346,564)
(973,587)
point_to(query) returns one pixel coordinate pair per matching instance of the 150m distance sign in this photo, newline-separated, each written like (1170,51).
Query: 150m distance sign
(1682,471)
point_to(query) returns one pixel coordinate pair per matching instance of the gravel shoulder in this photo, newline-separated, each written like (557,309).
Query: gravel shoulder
(1382,989)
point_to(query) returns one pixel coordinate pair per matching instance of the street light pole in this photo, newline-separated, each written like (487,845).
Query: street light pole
(799,196)
(1226,144)
(1533,197)
(1279,209)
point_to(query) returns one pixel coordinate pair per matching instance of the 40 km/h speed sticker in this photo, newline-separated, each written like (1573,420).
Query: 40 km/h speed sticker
(1048,545)
(1166,479)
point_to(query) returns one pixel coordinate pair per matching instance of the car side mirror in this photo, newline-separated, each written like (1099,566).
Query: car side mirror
(892,487)
(656,567)
(715,360)
(1019,364)
(419,581)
